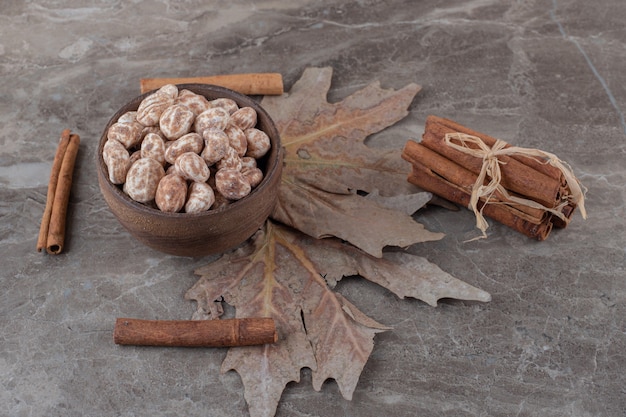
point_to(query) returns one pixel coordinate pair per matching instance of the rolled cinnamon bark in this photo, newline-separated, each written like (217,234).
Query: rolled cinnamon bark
(58,217)
(516,176)
(249,84)
(52,229)
(528,190)
(429,180)
(195,333)
(42,240)
(544,168)
(567,211)
(418,154)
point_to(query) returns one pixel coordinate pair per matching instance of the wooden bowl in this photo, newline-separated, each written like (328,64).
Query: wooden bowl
(198,234)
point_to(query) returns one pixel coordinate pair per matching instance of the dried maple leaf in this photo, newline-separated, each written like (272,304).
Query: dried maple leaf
(289,276)
(327,166)
(332,185)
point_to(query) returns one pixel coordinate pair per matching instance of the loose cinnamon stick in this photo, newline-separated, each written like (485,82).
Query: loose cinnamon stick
(52,229)
(249,84)
(516,176)
(52,186)
(195,333)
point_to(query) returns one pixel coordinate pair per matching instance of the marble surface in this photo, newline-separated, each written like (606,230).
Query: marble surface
(537,73)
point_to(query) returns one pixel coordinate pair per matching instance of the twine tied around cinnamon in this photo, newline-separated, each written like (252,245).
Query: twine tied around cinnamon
(491,169)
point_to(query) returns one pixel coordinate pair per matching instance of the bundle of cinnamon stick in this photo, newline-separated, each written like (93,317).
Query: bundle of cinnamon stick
(529,190)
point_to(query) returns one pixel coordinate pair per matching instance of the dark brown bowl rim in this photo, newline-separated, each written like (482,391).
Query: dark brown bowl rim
(272,162)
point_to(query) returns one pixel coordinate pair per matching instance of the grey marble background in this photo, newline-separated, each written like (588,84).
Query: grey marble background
(538,73)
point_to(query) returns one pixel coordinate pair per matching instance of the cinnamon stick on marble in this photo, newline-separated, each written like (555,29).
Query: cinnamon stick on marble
(417,154)
(516,176)
(532,162)
(541,174)
(547,169)
(249,84)
(52,229)
(529,190)
(438,175)
(195,333)
(52,186)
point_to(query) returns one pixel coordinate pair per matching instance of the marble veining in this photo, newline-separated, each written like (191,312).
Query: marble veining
(539,73)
